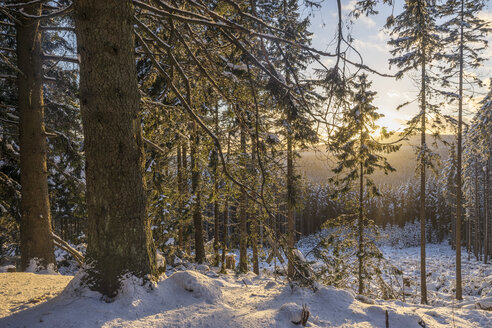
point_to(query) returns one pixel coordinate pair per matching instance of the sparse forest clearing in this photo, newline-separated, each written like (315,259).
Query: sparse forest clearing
(202,298)
(245,163)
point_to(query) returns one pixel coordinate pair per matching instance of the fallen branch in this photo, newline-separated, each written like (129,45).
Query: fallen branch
(60,243)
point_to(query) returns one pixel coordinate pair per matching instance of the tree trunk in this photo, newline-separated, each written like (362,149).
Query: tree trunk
(477,214)
(179,162)
(185,194)
(225,233)
(255,216)
(35,226)
(361,227)
(119,235)
(195,185)
(423,277)
(486,215)
(243,205)
(216,192)
(290,198)
(458,169)
(361,205)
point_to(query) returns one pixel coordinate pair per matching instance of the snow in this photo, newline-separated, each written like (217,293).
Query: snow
(198,296)
(402,251)
(22,290)
(440,260)
(35,267)
(191,299)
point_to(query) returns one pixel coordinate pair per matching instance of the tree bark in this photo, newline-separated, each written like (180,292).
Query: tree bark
(290,198)
(459,169)
(476,237)
(361,207)
(185,194)
(119,235)
(216,192)
(35,225)
(423,276)
(243,226)
(255,217)
(179,163)
(225,233)
(361,228)
(486,215)
(197,206)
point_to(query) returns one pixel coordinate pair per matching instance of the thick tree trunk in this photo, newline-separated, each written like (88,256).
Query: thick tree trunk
(119,235)
(197,206)
(423,160)
(35,226)
(243,205)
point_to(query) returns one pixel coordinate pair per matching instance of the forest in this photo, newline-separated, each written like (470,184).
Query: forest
(245,163)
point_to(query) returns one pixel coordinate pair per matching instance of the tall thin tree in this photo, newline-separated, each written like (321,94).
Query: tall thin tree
(465,36)
(358,157)
(415,41)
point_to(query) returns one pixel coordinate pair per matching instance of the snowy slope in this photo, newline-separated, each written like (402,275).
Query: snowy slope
(193,299)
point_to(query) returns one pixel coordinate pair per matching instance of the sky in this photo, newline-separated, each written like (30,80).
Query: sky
(371,41)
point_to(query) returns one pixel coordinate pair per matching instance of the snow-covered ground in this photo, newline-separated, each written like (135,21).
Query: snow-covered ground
(193,298)
(196,296)
(441,274)
(22,290)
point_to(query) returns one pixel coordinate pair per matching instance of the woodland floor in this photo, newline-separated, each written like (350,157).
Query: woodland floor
(199,297)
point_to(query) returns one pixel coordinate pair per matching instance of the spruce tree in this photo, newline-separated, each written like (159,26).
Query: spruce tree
(119,235)
(290,62)
(358,155)
(465,36)
(415,40)
(36,240)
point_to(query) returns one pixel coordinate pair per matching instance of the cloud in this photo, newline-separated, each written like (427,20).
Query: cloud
(378,46)
(381,36)
(349,6)
(368,21)
(486,15)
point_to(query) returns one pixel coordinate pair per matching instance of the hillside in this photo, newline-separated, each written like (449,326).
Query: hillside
(316,164)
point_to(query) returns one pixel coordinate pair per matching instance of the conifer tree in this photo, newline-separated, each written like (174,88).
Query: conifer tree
(358,155)
(36,240)
(119,235)
(477,165)
(465,36)
(291,61)
(415,42)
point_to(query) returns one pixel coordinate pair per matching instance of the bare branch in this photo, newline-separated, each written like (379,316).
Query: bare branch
(60,58)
